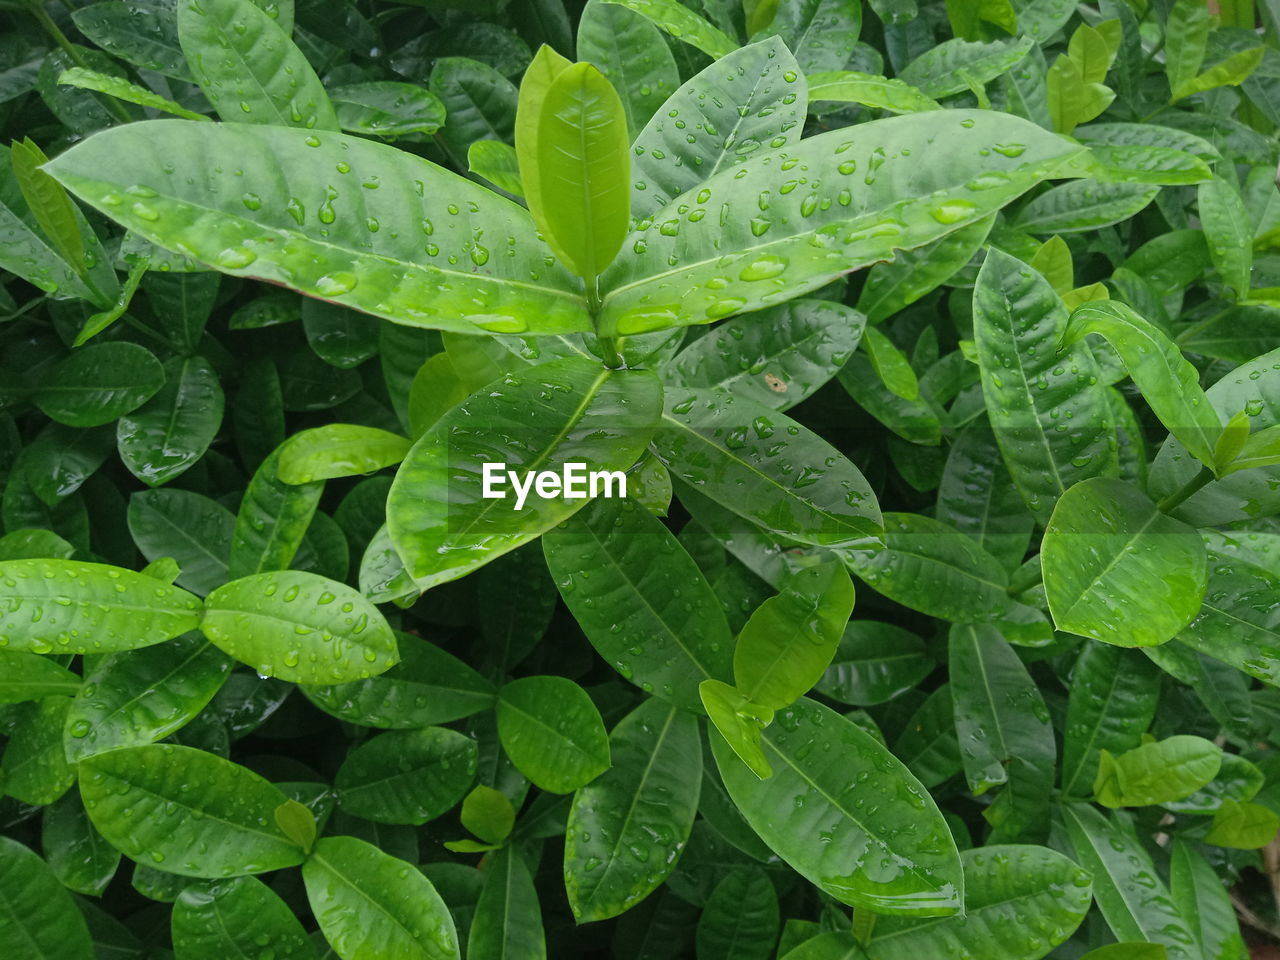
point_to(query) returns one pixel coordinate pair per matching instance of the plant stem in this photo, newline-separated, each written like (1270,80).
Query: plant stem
(864,921)
(36,7)
(608,345)
(1201,479)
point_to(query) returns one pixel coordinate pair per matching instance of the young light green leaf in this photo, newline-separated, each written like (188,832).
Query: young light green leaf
(1231,72)
(1156,772)
(228,917)
(338,450)
(1243,825)
(358,247)
(186,811)
(138,697)
(48,202)
(407,776)
(299,627)
(488,814)
(497,163)
(249,68)
(122,89)
(72,607)
(926,878)
(1261,449)
(347,878)
(683,24)
(790,639)
(40,921)
(26,676)
(570,411)
(641,600)
(1118,570)
(627,827)
(552,732)
(850,86)
(298,823)
(1006,738)
(1037,891)
(1185,41)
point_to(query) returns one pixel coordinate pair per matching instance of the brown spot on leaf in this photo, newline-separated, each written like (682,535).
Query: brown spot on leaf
(776,384)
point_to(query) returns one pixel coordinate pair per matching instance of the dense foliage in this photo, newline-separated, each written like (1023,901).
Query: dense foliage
(974,305)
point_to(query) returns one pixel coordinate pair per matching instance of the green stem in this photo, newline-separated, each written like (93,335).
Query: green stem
(1201,479)
(73,54)
(608,345)
(864,921)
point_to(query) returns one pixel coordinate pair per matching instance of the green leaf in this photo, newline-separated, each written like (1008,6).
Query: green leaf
(731,449)
(1204,903)
(48,202)
(122,89)
(633,56)
(488,814)
(819,32)
(1130,894)
(552,732)
(507,924)
(384,108)
(566,411)
(360,247)
(797,240)
(226,918)
(139,697)
(914,421)
(579,197)
(164,437)
(185,811)
(40,920)
(1112,702)
(75,851)
(927,566)
(189,527)
(1006,738)
(72,607)
(870,90)
(249,68)
(26,676)
(740,919)
(1156,772)
(373,906)
(497,163)
(777,357)
(1032,890)
(1147,164)
(755,96)
(98,383)
(338,450)
(31,544)
(1243,826)
(407,776)
(1231,72)
(35,770)
(790,639)
(954,66)
(1261,449)
(1228,233)
(874,663)
(739,722)
(298,823)
(627,828)
(428,686)
(272,521)
(1186,38)
(683,24)
(911,274)
(299,627)
(869,860)
(1083,205)
(1128,951)
(480,103)
(641,600)
(1118,570)
(95,323)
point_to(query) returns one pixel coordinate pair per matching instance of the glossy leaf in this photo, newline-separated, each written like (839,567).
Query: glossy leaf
(26,676)
(633,56)
(227,917)
(346,877)
(874,662)
(552,732)
(640,599)
(385,108)
(166,435)
(508,922)
(407,776)
(683,24)
(35,770)
(189,527)
(565,411)
(1156,772)
(371,261)
(1083,205)
(956,65)
(803,239)
(850,86)
(1006,739)
(766,467)
(74,607)
(1031,390)
(1226,227)
(1204,902)
(185,811)
(299,627)
(870,860)
(40,920)
(790,639)
(1243,826)
(74,849)
(627,828)
(1118,570)
(740,919)
(338,450)
(100,382)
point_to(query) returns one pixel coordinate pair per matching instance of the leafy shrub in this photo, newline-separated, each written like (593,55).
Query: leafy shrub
(995,338)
